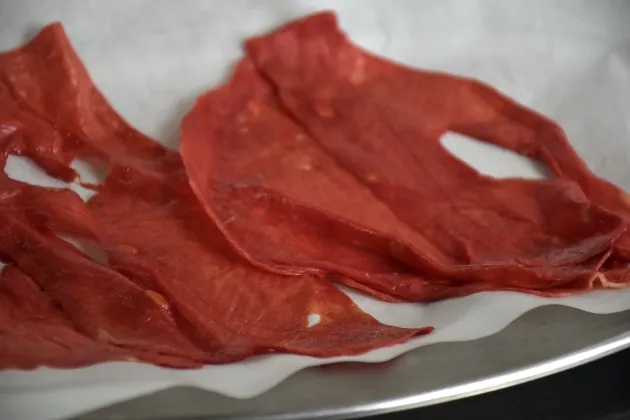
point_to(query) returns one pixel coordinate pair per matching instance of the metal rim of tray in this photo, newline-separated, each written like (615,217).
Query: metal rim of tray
(542,342)
(489,384)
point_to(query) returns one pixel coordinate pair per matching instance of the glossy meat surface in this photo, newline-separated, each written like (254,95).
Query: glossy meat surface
(318,157)
(171,291)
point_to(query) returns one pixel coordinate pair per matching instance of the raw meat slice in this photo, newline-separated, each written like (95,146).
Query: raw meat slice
(29,320)
(257,146)
(50,109)
(101,303)
(172,244)
(320,148)
(172,292)
(34,332)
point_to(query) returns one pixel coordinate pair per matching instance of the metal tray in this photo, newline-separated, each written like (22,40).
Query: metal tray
(542,342)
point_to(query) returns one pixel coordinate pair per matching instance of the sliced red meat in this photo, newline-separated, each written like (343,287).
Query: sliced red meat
(29,321)
(35,332)
(322,158)
(254,169)
(172,291)
(51,111)
(169,242)
(100,302)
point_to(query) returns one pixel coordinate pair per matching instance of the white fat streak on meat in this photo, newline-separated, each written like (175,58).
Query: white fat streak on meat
(605,283)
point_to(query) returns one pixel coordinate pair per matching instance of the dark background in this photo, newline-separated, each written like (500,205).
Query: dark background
(599,390)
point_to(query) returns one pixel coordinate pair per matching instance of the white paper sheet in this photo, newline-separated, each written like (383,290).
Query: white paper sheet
(567,59)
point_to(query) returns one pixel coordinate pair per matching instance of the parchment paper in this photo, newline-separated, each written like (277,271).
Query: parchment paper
(567,59)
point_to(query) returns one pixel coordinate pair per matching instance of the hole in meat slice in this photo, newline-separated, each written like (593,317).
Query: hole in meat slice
(313,319)
(28,171)
(492,160)
(88,247)
(91,171)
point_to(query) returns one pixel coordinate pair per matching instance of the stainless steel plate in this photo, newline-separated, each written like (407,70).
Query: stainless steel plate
(545,341)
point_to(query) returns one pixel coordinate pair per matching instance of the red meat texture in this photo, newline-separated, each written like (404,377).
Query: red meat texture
(317,164)
(318,158)
(172,292)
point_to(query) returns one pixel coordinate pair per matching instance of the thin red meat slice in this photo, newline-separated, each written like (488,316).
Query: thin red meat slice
(102,304)
(47,112)
(421,104)
(383,123)
(335,153)
(35,332)
(266,160)
(172,244)
(29,320)
(172,292)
